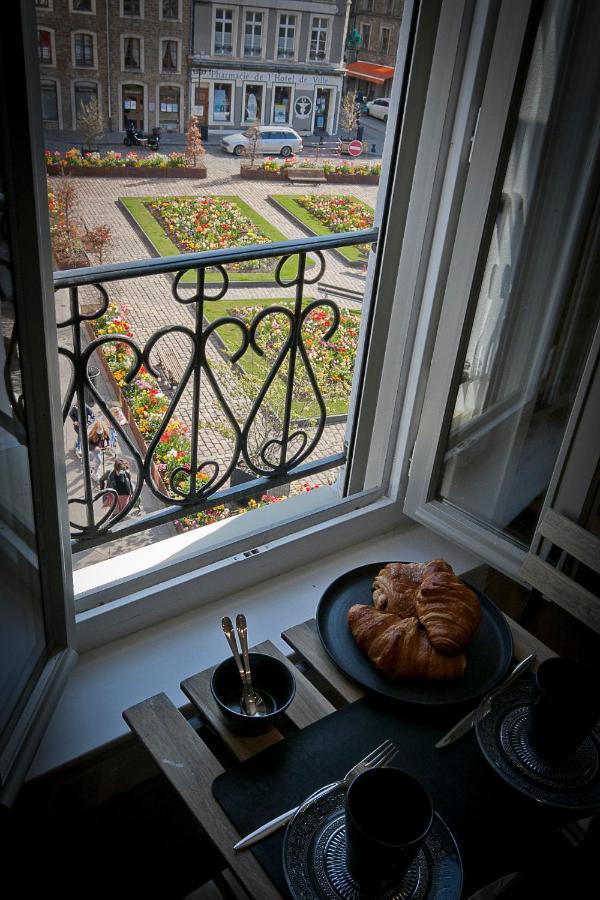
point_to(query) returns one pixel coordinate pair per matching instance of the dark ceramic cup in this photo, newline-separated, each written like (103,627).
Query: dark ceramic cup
(272,678)
(388,816)
(564,709)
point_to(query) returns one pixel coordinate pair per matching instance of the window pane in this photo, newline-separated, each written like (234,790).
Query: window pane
(131,7)
(84,94)
(170,9)
(132,53)
(49,102)
(45,46)
(535,312)
(253,104)
(222,103)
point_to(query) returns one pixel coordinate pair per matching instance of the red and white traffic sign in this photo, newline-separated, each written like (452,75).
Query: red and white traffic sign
(355,148)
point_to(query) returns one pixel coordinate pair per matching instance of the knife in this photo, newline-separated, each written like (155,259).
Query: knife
(468,721)
(278,822)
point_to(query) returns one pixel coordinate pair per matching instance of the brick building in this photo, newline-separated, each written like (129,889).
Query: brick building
(131,55)
(269,63)
(371,61)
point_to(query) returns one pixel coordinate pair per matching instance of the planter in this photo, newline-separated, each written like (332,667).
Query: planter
(127,171)
(259,174)
(331,178)
(241,476)
(334,178)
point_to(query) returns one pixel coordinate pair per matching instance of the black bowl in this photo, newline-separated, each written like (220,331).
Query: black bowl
(271,678)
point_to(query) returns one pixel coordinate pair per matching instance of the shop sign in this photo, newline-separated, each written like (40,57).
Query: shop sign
(300,79)
(303,107)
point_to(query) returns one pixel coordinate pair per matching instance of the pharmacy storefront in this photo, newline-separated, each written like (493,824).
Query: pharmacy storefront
(232,99)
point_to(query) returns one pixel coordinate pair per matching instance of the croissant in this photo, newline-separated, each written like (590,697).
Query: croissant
(448,610)
(396,586)
(400,647)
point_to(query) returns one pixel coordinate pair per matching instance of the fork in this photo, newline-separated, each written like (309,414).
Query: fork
(378,758)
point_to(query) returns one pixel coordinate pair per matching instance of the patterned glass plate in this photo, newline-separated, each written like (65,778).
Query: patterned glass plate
(314,858)
(573,784)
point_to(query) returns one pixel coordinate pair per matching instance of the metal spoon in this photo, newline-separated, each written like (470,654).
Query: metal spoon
(252,702)
(227,626)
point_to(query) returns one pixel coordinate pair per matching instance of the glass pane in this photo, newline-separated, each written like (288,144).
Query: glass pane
(535,313)
(22,636)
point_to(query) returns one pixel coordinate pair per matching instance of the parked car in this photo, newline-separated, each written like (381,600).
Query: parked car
(379,108)
(273,139)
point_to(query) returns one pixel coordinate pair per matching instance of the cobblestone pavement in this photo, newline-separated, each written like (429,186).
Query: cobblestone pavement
(149,304)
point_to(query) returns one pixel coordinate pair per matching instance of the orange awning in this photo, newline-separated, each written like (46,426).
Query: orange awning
(370,72)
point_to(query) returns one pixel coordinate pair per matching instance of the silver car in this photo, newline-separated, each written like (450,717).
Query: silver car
(379,108)
(273,139)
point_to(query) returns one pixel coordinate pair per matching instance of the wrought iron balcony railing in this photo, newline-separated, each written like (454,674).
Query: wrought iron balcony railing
(203,482)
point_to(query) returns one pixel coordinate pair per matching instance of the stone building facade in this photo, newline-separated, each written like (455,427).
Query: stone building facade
(275,63)
(131,55)
(377,23)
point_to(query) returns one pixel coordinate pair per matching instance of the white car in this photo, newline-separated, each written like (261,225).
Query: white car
(273,139)
(379,108)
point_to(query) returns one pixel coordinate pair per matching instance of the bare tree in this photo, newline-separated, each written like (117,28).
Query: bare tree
(251,149)
(349,115)
(97,241)
(194,148)
(91,123)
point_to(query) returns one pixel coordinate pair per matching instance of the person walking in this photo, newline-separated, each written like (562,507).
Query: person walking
(112,431)
(119,480)
(98,442)
(74,417)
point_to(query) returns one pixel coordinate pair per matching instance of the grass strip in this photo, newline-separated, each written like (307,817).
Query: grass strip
(289,202)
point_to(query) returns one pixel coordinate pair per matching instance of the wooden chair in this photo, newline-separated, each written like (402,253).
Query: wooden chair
(554,585)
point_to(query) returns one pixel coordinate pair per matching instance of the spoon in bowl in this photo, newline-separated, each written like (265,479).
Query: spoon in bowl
(252,702)
(259,708)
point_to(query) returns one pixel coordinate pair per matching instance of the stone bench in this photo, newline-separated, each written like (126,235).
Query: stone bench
(305,176)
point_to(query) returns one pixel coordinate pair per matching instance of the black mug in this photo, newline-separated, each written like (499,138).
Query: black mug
(388,816)
(565,707)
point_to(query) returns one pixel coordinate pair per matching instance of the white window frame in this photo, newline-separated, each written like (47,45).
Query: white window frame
(170,84)
(83,12)
(263,32)
(292,87)
(125,15)
(329,20)
(246,85)
(167,19)
(211,99)
(297,25)
(389,31)
(140,38)
(364,25)
(52,64)
(81,80)
(161,41)
(92,68)
(234,30)
(56,82)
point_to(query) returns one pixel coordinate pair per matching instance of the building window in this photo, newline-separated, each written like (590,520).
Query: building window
(170,10)
(384,44)
(84,94)
(281,104)
(318,38)
(168,56)
(223,103)
(132,53)
(84,49)
(132,8)
(169,107)
(223,32)
(45,47)
(286,37)
(366,36)
(366,6)
(49,102)
(84,6)
(253,103)
(253,34)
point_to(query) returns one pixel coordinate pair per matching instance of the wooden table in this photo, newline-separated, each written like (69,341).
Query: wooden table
(191,767)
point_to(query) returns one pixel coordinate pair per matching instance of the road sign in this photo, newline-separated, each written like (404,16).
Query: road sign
(355,148)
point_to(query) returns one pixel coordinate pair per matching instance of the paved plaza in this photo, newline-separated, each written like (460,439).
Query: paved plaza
(149,305)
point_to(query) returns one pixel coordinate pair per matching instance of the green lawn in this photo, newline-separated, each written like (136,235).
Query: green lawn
(289,203)
(164,246)
(257,367)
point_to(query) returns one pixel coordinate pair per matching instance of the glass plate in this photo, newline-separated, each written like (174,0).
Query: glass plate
(573,784)
(314,857)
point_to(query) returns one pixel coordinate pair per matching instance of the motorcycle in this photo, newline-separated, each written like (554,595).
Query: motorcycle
(141,138)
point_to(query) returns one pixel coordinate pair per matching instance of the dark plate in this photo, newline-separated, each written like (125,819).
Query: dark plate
(488,655)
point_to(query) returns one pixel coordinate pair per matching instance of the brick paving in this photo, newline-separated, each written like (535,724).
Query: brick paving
(149,305)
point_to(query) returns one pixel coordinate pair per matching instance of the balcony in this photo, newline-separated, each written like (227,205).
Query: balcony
(287,447)
(223,49)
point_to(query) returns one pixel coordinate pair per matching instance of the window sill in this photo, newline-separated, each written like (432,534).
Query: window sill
(114,677)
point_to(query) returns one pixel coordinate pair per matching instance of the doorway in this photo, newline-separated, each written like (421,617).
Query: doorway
(133,105)
(322,110)
(201,105)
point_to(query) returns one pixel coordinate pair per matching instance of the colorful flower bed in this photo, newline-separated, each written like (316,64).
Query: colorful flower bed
(210,223)
(329,166)
(338,212)
(113,159)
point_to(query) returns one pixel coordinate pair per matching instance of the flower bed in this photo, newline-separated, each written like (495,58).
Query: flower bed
(184,224)
(335,171)
(119,165)
(329,214)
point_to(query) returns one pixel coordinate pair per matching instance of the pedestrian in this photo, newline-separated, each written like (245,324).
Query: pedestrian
(119,480)
(74,417)
(98,444)
(112,431)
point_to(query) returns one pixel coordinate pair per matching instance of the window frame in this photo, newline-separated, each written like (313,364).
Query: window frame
(180,113)
(383,28)
(263,34)
(211,99)
(57,87)
(328,36)
(83,12)
(292,89)
(163,18)
(365,46)
(124,15)
(79,81)
(85,33)
(297,25)
(234,30)
(52,63)
(254,84)
(177,42)
(140,38)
